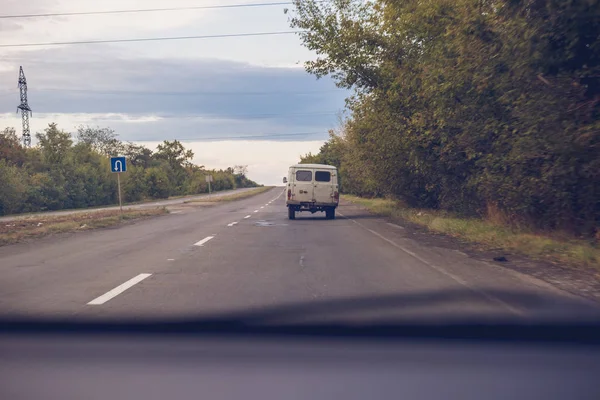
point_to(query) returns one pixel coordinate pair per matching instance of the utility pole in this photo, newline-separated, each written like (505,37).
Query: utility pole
(24,107)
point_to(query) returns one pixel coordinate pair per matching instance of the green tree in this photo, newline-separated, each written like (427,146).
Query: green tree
(137,155)
(54,144)
(103,140)
(13,184)
(174,153)
(197,182)
(177,158)
(58,174)
(466,105)
(11,149)
(135,187)
(90,181)
(157,182)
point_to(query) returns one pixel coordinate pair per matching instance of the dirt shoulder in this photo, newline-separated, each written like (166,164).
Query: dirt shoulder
(18,230)
(25,227)
(559,262)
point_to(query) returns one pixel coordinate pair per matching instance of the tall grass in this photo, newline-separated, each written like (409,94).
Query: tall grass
(556,247)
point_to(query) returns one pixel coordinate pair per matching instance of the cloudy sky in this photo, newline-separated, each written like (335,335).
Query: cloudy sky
(232,100)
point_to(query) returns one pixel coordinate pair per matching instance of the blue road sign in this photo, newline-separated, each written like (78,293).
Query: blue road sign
(118,164)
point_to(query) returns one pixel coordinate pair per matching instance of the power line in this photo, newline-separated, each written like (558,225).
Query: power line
(249,116)
(149,39)
(222,116)
(188,93)
(269,135)
(215,116)
(144,10)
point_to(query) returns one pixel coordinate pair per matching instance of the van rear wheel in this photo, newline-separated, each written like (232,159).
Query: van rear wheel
(291,213)
(330,213)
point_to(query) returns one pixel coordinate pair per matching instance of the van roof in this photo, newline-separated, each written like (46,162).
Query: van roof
(319,166)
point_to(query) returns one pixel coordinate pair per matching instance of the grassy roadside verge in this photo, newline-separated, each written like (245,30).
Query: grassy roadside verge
(232,197)
(100,208)
(34,227)
(539,246)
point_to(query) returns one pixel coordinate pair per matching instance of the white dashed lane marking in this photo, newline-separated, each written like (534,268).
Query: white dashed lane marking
(118,290)
(203,241)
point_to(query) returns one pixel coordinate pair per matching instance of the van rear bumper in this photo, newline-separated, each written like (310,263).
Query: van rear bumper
(308,206)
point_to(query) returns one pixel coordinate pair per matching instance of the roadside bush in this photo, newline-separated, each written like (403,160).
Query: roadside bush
(157,182)
(59,174)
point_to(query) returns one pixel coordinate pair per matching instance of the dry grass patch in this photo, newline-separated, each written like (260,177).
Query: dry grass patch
(20,229)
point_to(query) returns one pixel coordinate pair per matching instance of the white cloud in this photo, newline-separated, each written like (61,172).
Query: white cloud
(267,161)
(82,27)
(71,81)
(268,50)
(185,128)
(38,123)
(219,67)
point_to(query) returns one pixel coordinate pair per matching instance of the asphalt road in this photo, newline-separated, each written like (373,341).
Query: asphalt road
(246,255)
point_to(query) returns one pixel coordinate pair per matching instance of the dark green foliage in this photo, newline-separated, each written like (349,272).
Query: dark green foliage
(58,174)
(135,187)
(157,182)
(13,191)
(103,140)
(467,105)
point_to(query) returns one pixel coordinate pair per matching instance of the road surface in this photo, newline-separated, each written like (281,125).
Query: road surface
(246,255)
(164,202)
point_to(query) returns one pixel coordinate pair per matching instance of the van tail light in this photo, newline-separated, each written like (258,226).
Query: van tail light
(336,195)
(289,194)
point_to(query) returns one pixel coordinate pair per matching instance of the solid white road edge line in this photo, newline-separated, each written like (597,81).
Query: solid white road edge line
(395,225)
(232,224)
(488,296)
(201,243)
(118,290)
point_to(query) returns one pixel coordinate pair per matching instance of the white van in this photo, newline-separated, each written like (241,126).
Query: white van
(312,187)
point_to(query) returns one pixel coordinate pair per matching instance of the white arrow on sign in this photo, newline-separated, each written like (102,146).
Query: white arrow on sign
(118,166)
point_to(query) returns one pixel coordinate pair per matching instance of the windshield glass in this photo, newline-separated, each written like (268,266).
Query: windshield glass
(440,158)
(304,176)
(322,176)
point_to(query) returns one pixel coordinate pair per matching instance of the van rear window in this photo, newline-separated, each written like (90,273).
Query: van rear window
(322,176)
(304,176)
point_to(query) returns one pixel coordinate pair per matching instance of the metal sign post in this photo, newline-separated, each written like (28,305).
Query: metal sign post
(118,165)
(120,202)
(209,179)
